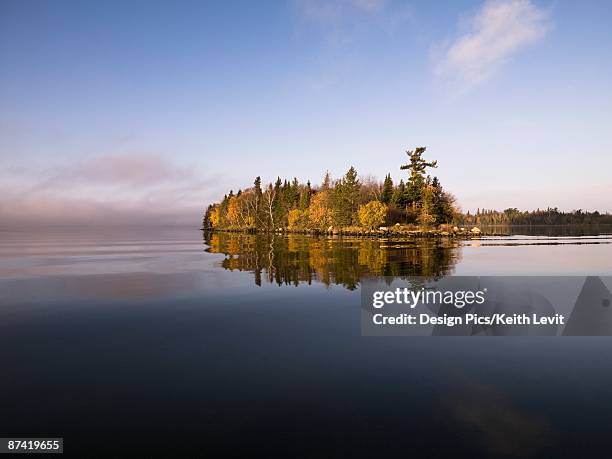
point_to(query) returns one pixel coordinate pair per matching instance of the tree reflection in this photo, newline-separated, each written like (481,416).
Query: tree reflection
(294,259)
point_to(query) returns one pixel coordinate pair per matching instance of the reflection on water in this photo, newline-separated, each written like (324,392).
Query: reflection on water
(287,259)
(547,230)
(292,259)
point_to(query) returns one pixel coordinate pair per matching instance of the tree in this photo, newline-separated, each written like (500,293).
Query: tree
(417,167)
(298,219)
(326,185)
(305,196)
(294,193)
(346,198)
(269,198)
(206,219)
(399,195)
(387,191)
(370,189)
(278,204)
(233,211)
(215,217)
(427,215)
(372,214)
(320,213)
(240,209)
(442,202)
(258,210)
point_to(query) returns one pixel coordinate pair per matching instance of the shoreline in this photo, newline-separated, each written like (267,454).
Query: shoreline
(382,232)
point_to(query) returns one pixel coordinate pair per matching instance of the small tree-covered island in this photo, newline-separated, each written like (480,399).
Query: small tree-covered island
(357,206)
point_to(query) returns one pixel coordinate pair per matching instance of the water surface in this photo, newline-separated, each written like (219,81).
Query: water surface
(163,337)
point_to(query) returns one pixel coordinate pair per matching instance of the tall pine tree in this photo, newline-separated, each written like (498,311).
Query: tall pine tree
(416,181)
(387,191)
(346,199)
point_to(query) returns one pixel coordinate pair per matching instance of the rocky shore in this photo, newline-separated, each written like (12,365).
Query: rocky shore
(403,231)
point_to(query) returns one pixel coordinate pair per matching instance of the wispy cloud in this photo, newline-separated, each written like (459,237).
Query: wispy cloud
(495,33)
(108,190)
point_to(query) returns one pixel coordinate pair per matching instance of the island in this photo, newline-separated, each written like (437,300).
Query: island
(417,207)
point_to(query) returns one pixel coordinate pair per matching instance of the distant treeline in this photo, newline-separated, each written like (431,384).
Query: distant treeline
(550,216)
(348,202)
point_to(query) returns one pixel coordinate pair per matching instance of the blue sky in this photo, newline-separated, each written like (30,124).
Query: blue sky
(140,111)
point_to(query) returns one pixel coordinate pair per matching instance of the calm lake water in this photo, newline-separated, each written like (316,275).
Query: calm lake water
(166,340)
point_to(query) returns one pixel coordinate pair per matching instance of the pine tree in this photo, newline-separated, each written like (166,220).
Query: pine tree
(259,210)
(398,198)
(417,167)
(279,210)
(295,193)
(305,196)
(346,199)
(441,208)
(387,192)
(326,185)
(427,216)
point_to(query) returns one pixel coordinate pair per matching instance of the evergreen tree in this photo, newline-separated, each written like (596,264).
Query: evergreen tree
(279,210)
(305,196)
(417,167)
(346,199)
(442,207)
(387,191)
(326,185)
(398,198)
(427,216)
(259,209)
(295,193)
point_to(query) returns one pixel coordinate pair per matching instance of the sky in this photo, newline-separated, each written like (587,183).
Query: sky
(145,112)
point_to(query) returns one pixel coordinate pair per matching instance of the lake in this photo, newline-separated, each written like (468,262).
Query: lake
(171,340)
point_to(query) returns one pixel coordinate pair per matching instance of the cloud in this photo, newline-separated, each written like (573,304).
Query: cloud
(131,189)
(496,32)
(136,169)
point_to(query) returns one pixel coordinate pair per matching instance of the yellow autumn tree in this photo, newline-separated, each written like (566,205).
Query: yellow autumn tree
(298,219)
(372,214)
(215,217)
(233,212)
(320,213)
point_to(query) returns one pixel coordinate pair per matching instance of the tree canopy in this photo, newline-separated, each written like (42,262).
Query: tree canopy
(346,202)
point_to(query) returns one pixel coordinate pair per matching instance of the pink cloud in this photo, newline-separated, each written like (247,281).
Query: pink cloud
(128,189)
